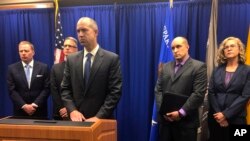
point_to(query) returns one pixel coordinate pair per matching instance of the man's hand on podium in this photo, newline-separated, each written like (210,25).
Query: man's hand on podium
(92,119)
(77,116)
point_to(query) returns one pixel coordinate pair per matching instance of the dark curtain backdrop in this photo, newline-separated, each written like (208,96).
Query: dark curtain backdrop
(233,19)
(134,31)
(15,26)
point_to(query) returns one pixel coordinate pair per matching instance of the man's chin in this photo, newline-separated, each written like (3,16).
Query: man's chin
(25,61)
(177,57)
(83,43)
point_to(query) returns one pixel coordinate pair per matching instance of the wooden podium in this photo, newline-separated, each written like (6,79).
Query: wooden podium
(47,130)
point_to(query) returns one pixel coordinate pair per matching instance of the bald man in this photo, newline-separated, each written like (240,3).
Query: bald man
(91,87)
(179,92)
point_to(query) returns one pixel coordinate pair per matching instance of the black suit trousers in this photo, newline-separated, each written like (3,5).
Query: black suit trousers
(175,132)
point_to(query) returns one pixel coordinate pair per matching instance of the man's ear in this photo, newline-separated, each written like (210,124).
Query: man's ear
(96,32)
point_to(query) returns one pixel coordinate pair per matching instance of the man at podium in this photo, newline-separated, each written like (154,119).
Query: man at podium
(91,87)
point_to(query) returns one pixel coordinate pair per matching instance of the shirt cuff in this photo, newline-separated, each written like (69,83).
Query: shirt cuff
(23,106)
(182,112)
(34,105)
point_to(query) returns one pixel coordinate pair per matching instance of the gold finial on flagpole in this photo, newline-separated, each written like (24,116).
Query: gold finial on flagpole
(171,3)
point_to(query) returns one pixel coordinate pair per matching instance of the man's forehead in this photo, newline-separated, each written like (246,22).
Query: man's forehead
(26,46)
(177,43)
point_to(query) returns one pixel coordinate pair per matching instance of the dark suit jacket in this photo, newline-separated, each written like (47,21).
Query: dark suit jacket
(189,81)
(231,99)
(56,76)
(21,94)
(103,91)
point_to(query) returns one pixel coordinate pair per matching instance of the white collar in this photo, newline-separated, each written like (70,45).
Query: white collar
(31,64)
(93,52)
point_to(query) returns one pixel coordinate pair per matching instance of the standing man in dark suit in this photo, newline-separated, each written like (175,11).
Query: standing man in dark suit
(91,86)
(56,76)
(179,92)
(28,84)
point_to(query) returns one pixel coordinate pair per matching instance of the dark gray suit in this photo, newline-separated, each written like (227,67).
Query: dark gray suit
(21,94)
(189,81)
(56,76)
(101,95)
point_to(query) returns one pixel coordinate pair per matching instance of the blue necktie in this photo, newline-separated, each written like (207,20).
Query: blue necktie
(87,68)
(27,73)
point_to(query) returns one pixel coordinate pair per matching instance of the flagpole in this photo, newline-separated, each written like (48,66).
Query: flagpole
(211,52)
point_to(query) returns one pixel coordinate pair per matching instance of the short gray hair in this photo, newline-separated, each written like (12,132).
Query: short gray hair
(72,39)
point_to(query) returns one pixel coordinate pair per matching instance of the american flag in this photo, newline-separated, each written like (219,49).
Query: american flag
(59,39)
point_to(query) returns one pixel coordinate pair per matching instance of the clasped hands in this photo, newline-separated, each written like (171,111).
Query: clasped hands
(221,119)
(30,109)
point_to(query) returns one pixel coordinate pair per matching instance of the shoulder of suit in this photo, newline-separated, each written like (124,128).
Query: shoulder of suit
(169,63)
(75,54)
(197,62)
(245,66)
(58,65)
(15,65)
(248,67)
(106,52)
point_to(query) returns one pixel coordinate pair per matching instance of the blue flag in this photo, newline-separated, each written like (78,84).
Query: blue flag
(165,56)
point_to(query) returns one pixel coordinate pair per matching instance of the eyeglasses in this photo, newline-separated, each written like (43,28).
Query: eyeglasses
(230,46)
(70,46)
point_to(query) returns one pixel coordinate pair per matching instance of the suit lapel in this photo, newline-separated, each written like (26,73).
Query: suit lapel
(182,69)
(79,64)
(21,69)
(222,75)
(236,73)
(172,70)
(34,72)
(95,67)
(61,69)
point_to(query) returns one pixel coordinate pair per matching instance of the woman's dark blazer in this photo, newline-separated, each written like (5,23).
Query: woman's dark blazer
(231,99)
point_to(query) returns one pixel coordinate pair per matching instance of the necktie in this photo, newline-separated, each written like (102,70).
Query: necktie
(177,67)
(87,68)
(27,73)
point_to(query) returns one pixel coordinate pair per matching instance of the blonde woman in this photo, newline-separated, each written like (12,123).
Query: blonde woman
(229,89)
